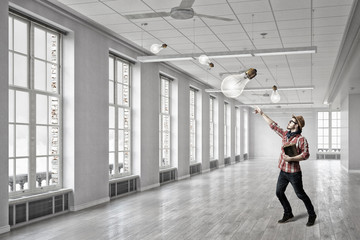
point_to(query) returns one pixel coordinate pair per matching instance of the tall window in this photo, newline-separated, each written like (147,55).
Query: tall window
(237,131)
(35,108)
(212,128)
(119,117)
(193,116)
(165,133)
(227,144)
(246,131)
(329,131)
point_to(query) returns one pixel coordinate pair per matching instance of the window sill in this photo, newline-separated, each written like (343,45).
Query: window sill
(38,196)
(124,178)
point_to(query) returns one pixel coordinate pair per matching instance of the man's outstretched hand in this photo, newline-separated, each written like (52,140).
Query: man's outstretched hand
(258,110)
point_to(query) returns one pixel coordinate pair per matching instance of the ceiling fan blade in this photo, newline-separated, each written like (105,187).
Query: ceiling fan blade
(186,3)
(214,17)
(147,15)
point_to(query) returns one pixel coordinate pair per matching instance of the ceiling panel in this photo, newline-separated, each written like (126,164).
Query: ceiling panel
(283,23)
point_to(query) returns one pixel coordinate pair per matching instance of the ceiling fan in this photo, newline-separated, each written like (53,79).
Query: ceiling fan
(182,12)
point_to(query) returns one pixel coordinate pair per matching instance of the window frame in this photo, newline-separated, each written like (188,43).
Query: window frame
(193,131)
(117,106)
(321,147)
(212,127)
(161,117)
(54,138)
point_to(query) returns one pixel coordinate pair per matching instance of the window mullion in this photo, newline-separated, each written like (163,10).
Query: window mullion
(32,112)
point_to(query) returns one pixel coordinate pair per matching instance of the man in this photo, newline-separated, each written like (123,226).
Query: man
(290,170)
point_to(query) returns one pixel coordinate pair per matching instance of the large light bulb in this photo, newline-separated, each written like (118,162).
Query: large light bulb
(275,96)
(232,86)
(204,60)
(156,48)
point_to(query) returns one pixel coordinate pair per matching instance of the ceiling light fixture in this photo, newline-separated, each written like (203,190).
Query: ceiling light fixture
(231,54)
(275,96)
(156,48)
(232,86)
(274,104)
(204,60)
(267,89)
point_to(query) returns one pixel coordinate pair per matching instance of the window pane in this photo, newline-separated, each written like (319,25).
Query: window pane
(120,162)
(111,117)
(11,140)
(39,75)
(11,175)
(22,107)
(20,70)
(41,109)
(10,33)
(52,47)
(41,171)
(119,93)
(126,161)
(111,68)
(126,74)
(125,99)
(111,140)
(166,123)
(11,69)
(22,173)
(20,36)
(111,92)
(41,140)
(54,170)
(119,71)
(54,114)
(127,118)
(52,78)
(121,140)
(11,106)
(126,140)
(111,162)
(39,43)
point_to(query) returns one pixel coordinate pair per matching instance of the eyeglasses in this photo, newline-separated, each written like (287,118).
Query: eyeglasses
(291,121)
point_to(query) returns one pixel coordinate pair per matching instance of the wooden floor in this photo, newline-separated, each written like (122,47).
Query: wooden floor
(235,202)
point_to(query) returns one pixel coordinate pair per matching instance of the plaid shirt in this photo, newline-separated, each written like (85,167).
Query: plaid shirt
(301,145)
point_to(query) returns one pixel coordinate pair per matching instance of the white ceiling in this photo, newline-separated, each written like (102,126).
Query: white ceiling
(288,23)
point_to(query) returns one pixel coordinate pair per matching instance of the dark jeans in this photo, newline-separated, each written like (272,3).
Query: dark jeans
(296,181)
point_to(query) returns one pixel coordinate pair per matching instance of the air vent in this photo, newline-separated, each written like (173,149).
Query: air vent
(29,209)
(227,161)
(328,156)
(122,187)
(195,169)
(237,158)
(213,164)
(166,176)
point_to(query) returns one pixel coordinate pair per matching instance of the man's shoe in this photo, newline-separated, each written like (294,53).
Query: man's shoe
(311,220)
(286,218)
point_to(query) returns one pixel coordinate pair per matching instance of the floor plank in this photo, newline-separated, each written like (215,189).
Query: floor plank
(235,202)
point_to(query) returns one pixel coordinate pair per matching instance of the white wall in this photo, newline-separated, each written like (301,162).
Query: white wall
(265,143)
(350,131)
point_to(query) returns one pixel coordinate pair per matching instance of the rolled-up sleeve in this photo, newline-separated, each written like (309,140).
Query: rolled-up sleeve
(304,148)
(274,126)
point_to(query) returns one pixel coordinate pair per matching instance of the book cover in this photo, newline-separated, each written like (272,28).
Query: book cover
(290,150)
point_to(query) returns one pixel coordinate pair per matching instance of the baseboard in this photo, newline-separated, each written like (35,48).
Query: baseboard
(183,177)
(5,229)
(89,204)
(149,187)
(206,170)
(354,171)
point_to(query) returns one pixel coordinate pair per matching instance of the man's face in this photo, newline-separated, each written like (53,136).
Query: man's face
(292,124)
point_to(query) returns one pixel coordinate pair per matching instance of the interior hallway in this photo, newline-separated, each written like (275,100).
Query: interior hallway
(235,202)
